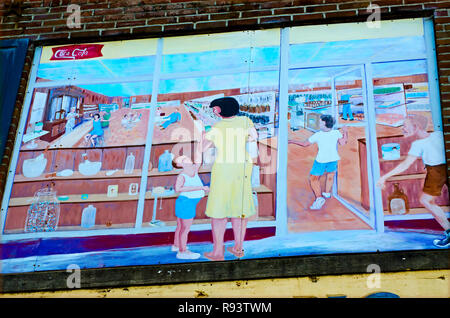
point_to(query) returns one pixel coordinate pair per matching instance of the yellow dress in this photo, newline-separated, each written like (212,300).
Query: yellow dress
(230,193)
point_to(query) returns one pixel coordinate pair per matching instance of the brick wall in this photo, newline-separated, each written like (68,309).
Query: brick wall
(44,22)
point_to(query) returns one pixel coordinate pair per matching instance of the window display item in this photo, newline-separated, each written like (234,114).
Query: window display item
(157,192)
(165,161)
(398,201)
(88,168)
(113,190)
(129,164)
(88,216)
(38,127)
(33,168)
(390,151)
(65,173)
(133,189)
(43,213)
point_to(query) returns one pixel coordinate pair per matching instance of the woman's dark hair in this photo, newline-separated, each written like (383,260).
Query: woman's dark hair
(96,114)
(229,106)
(328,119)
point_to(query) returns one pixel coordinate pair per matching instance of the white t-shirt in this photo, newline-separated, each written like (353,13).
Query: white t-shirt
(327,143)
(430,149)
(194,181)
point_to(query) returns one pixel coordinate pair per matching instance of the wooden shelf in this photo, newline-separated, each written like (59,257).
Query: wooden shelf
(408,177)
(78,176)
(388,160)
(76,198)
(137,173)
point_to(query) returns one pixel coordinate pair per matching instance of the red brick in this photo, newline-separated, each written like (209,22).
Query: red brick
(112,32)
(275,20)
(307,2)
(193,18)
(307,17)
(242,22)
(295,10)
(147,30)
(84,34)
(210,25)
(340,14)
(130,23)
(255,13)
(47,16)
(179,27)
(354,5)
(320,8)
(224,16)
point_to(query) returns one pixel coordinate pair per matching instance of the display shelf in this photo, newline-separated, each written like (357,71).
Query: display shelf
(78,176)
(77,198)
(407,177)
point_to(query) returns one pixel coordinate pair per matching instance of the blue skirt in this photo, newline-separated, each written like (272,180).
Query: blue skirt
(185,207)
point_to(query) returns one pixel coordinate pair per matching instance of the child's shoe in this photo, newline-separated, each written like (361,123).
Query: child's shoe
(188,255)
(174,248)
(317,204)
(326,195)
(444,242)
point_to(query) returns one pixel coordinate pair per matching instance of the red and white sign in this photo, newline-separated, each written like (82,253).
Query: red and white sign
(77,52)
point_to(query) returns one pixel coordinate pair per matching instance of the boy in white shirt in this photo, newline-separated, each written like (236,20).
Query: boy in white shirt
(327,158)
(430,148)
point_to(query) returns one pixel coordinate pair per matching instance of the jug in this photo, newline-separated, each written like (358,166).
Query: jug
(43,213)
(129,164)
(165,161)
(398,201)
(88,216)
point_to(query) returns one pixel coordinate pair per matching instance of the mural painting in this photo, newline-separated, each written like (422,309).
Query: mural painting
(171,150)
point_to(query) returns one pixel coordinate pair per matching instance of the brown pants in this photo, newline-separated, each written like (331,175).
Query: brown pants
(435,180)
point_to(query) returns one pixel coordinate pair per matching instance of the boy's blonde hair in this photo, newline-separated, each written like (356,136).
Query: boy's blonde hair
(418,121)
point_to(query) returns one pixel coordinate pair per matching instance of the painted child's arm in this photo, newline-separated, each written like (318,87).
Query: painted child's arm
(405,164)
(205,142)
(344,139)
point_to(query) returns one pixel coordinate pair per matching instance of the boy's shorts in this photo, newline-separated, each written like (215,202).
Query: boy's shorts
(320,168)
(435,180)
(185,207)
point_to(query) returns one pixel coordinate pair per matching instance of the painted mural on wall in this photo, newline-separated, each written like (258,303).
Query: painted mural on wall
(176,144)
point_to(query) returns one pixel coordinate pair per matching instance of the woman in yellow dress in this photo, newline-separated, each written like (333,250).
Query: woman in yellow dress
(230,193)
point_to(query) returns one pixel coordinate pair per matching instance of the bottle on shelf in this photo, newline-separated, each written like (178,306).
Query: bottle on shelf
(88,216)
(398,201)
(129,164)
(165,161)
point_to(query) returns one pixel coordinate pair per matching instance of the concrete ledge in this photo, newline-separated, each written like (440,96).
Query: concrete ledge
(282,267)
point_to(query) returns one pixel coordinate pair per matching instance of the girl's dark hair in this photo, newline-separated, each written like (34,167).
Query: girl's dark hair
(328,119)
(96,114)
(229,106)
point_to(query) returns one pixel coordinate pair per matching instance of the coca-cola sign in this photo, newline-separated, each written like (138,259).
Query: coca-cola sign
(77,52)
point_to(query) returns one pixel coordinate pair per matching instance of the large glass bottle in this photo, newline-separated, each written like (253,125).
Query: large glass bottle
(398,201)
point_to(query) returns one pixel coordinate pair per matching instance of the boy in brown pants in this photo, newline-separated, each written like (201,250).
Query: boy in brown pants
(430,148)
